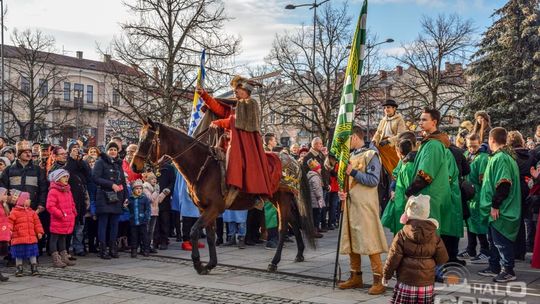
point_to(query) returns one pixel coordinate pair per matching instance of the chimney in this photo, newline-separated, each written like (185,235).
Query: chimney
(106,58)
(448,66)
(79,54)
(399,70)
(156,73)
(382,74)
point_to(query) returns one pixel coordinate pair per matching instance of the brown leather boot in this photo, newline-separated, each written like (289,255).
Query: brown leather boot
(65,258)
(57,260)
(376,266)
(355,281)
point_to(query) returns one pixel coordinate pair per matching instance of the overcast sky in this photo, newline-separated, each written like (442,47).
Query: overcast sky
(82,24)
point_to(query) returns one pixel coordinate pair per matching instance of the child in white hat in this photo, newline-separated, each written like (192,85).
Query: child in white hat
(415,251)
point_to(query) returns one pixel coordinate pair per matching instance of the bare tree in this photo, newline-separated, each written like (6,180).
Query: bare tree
(430,80)
(311,88)
(163,44)
(33,83)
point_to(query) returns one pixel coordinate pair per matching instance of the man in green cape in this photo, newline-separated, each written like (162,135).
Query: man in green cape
(500,204)
(437,176)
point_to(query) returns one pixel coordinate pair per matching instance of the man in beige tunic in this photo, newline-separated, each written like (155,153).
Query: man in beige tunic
(385,139)
(362,232)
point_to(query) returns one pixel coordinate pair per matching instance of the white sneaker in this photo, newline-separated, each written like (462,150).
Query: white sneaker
(480,259)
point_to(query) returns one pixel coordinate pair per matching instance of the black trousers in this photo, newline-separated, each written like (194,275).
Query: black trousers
(45,219)
(161,234)
(57,242)
(254,222)
(452,246)
(90,233)
(219,229)
(472,242)
(139,237)
(175,224)
(187,223)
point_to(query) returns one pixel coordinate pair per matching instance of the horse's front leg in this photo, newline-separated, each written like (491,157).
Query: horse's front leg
(272,267)
(211,239)
(195,256)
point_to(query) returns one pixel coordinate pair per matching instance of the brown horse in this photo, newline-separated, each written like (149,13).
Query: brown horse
(202,172)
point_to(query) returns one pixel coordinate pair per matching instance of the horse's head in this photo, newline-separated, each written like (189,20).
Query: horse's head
(148,148)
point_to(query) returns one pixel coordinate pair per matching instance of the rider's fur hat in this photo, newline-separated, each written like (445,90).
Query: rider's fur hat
(245,83)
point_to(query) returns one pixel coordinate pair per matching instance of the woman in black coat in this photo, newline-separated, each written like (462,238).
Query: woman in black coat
(110,196)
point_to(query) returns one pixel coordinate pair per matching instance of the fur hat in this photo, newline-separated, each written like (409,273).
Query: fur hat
(245,83)
(417,208)
(484,114)
(22,146)
(57,174)
(137,183)
(467,124)
(19,197)
(313,164)
(390,102)
(5,160)
(111,144)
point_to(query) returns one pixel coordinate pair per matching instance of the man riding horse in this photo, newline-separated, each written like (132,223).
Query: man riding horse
(248,168)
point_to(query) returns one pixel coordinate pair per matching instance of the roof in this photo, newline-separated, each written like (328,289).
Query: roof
(111,66)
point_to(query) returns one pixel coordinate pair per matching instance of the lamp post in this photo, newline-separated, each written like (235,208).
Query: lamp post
(369,48)
(2,128)
(314,7)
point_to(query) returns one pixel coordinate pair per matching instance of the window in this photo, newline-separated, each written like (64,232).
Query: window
(78,92)
(115,98)
(67,91)
(89,93)
(43,88)
(25,86)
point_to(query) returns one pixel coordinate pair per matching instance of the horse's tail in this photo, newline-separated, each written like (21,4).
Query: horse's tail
(303,203)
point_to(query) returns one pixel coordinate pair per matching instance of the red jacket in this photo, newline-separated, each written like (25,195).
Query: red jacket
(25,226)
(62,208)
(131,176)
(5,233)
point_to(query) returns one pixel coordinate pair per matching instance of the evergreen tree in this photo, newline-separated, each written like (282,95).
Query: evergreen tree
(505,71)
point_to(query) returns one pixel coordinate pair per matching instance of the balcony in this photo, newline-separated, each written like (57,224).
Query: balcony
(85,106)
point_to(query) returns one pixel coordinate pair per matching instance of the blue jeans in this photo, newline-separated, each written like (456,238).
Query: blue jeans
(77,239)
(333,199)
(108,221)
(501,251)
(236,228)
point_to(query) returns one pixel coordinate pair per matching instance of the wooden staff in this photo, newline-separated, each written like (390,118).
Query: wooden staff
(336,263)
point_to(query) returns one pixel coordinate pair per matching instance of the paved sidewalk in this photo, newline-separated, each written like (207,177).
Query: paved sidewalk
(170,278)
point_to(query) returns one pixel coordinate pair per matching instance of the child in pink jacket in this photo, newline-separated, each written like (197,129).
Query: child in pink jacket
(5,233)
(62,209)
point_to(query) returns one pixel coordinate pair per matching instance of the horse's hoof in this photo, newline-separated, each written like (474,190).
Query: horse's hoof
(272,268)
(203,271)
(299,258)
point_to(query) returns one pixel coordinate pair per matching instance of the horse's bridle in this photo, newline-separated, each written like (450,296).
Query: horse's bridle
(156,144)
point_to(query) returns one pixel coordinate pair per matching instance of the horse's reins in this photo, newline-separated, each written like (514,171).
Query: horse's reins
(193,144)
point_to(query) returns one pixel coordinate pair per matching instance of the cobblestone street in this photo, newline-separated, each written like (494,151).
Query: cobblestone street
(239,278)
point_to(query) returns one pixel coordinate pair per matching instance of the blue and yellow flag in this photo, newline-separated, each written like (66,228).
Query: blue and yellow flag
(196,113)
(349,95)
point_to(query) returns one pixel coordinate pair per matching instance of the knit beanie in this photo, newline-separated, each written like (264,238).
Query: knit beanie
(56,175)
(5,160)
(111,144)
(19,197)
(136,183)
(314,165)
(417,208)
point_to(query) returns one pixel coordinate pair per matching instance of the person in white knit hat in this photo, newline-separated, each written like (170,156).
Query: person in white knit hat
(415,252)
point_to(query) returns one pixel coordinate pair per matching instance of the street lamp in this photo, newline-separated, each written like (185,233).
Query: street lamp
(370,47)
(312,6)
